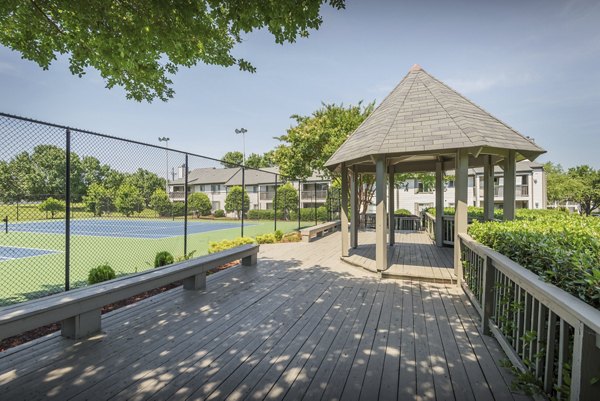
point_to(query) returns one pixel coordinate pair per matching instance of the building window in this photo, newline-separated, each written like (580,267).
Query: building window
(216,205)
(450,184)
(423,187)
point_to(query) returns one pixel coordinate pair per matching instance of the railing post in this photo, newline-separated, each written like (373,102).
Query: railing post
(586,354)
(186,209)
(487,294)
(315,205)
(68,211)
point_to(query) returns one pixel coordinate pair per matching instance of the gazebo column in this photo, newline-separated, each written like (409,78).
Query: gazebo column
(488,188)
(344,208)
(461,199)
(380,215)
(439,204)
(510,178)
(354,209)
(392,205)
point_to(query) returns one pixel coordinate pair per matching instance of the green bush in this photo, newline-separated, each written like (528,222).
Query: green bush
(278,235)
(219,213)
(52,205)
(178,208)
(100,274)
(563,249)
(163,258)
(214,247)
(264,214)
(266,239)
(403,212)
(308,214)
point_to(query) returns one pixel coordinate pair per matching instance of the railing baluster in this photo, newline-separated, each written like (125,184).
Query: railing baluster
(563,347)
(542,336)
(550,350)
(487,305)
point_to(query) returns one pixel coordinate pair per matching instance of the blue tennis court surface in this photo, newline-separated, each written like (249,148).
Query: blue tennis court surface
(13,252)
(150,229)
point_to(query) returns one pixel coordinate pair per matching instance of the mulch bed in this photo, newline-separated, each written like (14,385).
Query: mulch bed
(31,335)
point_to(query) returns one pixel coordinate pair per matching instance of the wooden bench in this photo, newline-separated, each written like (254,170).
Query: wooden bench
(309,234)
(79,310)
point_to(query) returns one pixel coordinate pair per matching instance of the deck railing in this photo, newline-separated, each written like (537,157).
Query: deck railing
(410,223)
(447,231)
(550,336)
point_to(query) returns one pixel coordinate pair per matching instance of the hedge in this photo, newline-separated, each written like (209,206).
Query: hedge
(562,248)
(403,212)
(306,214)
(214,247)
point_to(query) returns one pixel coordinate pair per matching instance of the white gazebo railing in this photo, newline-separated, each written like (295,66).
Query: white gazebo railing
(552,337)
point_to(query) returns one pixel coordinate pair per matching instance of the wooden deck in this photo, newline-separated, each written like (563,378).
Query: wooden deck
(300,325)
(414,257)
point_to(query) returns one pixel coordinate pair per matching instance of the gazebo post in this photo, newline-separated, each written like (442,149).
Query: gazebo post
(439,203)
(488,188)
(380,214)
(510,178)
(460,204)
(354,209)
(344,208)
(391,205)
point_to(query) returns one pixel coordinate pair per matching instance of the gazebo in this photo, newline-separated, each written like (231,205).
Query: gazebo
(425,126)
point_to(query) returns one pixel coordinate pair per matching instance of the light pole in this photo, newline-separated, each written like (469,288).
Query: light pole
(243,132)
(166,140)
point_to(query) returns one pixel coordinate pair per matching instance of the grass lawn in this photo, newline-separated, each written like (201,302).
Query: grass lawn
(29,278)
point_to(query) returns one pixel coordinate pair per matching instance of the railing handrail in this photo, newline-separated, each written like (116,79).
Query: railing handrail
(563,304)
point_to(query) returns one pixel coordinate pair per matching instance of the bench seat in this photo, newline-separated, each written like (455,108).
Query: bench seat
(311,233)
(79,310)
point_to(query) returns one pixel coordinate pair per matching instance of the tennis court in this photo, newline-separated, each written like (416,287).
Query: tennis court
(121,228)
(15,252)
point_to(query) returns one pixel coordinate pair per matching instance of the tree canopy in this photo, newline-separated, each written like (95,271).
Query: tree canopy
(139,45)
(232,159)
(233,201)
(579,184)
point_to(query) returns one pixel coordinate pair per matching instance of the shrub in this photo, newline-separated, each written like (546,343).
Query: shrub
(100,274)
(178,208)
(278,235)
(199,204)
(266,239)
(292,237)
(219,213)
(160,203)
(563,249)
(163,258)
(265,214)
(214,247)
(308,214)
(403,212)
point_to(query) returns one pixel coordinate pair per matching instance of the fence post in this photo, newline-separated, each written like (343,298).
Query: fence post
(487,294)
(68,211)
(299,204)
(275,205)
(315,205)
(185,207)
(243,195)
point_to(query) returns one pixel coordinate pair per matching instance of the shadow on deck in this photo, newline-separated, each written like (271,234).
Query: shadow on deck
(300,325)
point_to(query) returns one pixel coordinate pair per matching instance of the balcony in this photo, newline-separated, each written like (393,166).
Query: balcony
(310,195)
(267,195)
(520,191)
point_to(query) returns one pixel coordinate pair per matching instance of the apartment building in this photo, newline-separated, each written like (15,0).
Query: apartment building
(260,186)
(415,196)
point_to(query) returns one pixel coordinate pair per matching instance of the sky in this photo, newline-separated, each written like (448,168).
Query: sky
(533,64)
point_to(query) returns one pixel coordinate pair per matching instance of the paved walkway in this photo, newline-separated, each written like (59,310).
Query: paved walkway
(300,325)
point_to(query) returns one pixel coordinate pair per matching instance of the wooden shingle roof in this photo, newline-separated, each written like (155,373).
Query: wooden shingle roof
(422,115)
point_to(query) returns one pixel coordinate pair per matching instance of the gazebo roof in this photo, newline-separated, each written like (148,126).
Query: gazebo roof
(424,118)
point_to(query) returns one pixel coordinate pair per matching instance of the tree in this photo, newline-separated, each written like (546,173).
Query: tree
(52,205)
(128,199)
(307,146)
(233,201)
(232,159)
(9,191)
(287,199)
(584,188)
(159,202)
(557,183)
(98,199)
(146,182)
(138,44)
(199,203)
(260,161)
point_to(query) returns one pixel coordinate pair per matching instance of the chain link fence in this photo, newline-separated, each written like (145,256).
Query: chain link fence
(118,202)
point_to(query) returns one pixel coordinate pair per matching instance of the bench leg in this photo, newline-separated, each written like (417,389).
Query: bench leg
(194,283)
(82,325)
(250,260)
